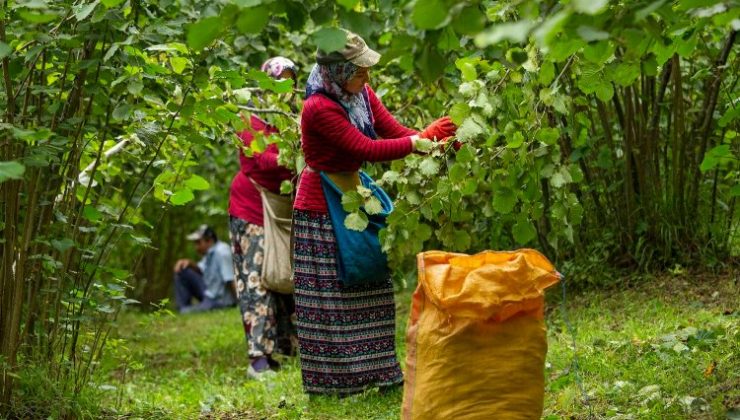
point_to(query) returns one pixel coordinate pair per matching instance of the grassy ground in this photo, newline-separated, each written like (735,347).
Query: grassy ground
(669,348)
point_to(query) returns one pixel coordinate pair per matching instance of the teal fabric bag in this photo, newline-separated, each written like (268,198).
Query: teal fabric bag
(360,257)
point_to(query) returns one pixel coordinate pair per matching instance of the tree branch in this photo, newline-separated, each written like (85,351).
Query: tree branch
(270,111)
(10,111)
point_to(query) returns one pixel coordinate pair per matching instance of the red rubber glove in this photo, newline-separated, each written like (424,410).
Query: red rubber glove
(439,129)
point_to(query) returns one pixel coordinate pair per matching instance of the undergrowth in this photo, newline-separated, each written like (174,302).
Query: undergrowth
(666,348)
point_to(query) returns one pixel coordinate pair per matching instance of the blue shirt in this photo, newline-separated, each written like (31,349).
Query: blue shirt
(218,269)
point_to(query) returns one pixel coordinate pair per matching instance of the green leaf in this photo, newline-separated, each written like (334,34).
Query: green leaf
(122,112)
(111,51)
(111,3)
(560,178)
(424,145)
(196,182)
(717,156)
(365,192)
(352,201)
(735,190)
(282,86)
(391,177)
(348,4)
(181,197)
(548,135)
(459,112)
(523,231)
(605,91)
(564,48)
(91,213)
(590,7)
(517,55)
(142,240)
(31,136)
(647,10)
(514,32)
(429,166)
(373,205)
(461,241)
(466,154)
(11,170)
(467,68)
(469,21)
(504,200)
(515,141)
(286,187)
(135,86)
(62,245)
(547,72)
(589,33)
(598,52)
(732,113)
(5,50)
(469,130)
(204,32)
(548,31)
(247,3)
(356,221)
(253,20)
(330,39)
(429,14)
(83,11)
(576,174)
(178,64)
(470,187)
(624,74)
(34,17)
(458,171)
(448,41)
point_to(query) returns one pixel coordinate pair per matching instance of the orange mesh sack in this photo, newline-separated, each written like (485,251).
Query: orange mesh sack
(476,340)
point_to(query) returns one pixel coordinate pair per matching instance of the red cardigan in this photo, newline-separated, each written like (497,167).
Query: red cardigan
(245,201)
(331,143)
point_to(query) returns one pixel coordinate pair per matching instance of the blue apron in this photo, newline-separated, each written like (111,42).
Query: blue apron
(360,257)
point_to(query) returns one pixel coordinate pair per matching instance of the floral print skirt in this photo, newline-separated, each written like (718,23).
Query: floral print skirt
(346,334)
(268,317)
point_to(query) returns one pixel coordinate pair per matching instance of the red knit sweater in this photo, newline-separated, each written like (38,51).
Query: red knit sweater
(332,144)
(245,201)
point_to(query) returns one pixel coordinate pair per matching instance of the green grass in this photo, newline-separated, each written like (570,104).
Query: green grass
(643,353)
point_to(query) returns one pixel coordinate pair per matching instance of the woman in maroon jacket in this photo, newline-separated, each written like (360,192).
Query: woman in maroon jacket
(267,315)
(346,334)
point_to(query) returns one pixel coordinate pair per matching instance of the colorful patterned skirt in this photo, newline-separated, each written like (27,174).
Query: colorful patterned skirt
(346,334)
(268,317)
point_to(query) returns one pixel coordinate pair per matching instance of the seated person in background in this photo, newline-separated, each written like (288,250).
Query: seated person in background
(211,280)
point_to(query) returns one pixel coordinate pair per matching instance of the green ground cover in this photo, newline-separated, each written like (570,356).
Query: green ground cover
(669,348)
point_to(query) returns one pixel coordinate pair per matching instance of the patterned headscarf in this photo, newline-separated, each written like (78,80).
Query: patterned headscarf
(328,79)
(275,66)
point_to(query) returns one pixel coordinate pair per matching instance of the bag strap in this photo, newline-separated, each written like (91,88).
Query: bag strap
(266,195)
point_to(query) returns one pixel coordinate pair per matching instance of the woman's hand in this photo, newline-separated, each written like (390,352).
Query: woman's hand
(439,129)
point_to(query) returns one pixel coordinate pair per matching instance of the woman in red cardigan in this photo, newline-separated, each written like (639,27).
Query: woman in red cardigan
(267,315)
(346,334)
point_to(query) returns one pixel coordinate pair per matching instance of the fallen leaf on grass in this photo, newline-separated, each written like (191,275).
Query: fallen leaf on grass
(710,369)
(693,403)
(649,393)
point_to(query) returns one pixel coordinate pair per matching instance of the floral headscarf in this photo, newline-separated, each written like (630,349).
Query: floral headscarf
(275,66)
(328,79)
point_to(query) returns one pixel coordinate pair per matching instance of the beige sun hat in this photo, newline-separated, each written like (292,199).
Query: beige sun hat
(355,51)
